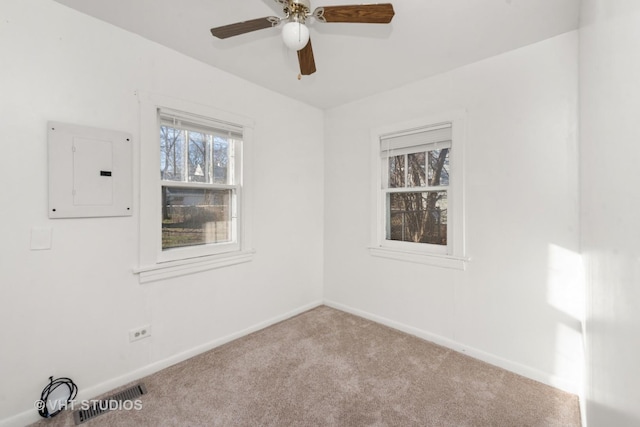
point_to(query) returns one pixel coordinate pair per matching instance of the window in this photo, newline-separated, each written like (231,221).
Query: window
(418,192)
(194,178)
(200,161)
(415,184)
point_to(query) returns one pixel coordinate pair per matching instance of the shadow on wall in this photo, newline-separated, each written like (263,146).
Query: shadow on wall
(607,416)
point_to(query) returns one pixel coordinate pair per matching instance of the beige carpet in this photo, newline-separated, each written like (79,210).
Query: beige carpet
(329,368)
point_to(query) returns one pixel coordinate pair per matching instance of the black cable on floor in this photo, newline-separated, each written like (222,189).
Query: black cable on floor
(43,404)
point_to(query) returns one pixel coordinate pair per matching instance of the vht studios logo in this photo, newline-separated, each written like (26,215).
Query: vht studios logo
(94,405)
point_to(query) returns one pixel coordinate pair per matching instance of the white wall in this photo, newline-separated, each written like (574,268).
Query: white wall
(518,304)
(610,207)
(67,311)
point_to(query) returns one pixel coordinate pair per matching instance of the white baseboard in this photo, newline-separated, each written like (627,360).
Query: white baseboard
(31,416)
(520,369)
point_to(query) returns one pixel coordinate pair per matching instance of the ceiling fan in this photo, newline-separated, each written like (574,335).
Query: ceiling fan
(295,33)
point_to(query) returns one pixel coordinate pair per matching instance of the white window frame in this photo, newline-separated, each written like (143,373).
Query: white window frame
(156,264)
(453,254)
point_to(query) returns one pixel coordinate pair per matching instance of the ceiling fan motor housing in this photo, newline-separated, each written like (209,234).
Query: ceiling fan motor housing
(304,3)
(299,7)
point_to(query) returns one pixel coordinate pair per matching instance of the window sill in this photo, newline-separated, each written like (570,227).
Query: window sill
(167,270)
(444,261)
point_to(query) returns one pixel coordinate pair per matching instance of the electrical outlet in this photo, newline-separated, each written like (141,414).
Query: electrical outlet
(139,333)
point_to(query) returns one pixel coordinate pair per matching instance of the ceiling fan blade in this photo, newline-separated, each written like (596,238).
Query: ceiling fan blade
(306,60)
(238,28)
(362,13)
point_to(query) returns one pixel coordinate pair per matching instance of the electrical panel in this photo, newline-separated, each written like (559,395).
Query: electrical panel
(90,172)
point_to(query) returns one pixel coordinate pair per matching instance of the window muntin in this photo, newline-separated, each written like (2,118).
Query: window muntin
(199,183)
(415,168)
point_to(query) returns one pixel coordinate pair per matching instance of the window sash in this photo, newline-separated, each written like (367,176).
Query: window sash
(384,168)
(193,221)
(211,130)
(389,213)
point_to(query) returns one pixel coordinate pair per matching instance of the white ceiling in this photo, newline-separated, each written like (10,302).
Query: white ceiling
(426,37)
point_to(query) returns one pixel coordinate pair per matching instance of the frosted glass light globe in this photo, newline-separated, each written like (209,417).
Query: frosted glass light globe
(295,35)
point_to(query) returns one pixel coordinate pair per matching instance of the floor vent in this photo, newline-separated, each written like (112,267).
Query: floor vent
(123,400)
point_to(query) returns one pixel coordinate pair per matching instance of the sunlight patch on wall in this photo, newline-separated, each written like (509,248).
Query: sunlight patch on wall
(566,294)
(565,282)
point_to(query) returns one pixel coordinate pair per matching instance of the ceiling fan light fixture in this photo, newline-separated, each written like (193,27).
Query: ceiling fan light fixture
(295,35)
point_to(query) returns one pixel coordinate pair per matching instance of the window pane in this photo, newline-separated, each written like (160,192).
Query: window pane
(193,216)
(419,217)
(417,170)
(439,167)
(222,158)
(172,149)
(396,171)
(198,148)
